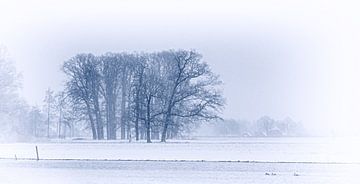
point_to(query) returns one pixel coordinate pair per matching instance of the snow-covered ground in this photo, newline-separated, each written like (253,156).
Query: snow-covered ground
(276,160)
(155,172)
(337,150)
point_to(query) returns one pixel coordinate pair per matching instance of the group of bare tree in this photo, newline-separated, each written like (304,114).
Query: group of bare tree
(56,118)
(155,95)
(146,96)
(265,126)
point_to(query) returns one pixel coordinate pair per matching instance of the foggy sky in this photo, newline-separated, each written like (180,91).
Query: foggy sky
(276,58)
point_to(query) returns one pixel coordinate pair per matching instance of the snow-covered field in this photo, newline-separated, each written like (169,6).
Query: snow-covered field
(206,160)
(337,150)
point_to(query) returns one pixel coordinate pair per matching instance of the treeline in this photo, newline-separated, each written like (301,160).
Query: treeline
(156,95)
(20,121)
(263,127)
(148,96)
(14,112)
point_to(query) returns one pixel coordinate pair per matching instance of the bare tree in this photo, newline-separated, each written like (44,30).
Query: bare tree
(147,92)
(138,86)
(192,89)
(84,87)
(49,101)
(36,119)
(153,88)
(111,71)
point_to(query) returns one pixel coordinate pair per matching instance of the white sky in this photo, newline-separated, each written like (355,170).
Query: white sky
(277,58)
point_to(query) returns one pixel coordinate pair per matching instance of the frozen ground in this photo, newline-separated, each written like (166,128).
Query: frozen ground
(160,172)
(338,150)
(315,160)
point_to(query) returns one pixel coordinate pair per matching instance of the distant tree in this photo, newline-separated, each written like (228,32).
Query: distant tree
(265,124)
(9,81)
(227,127)
(50,105)
(37,121)
(291,128)
(14,112)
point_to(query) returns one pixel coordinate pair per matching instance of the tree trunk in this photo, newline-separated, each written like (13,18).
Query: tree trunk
(59,126)
(137,127)
(92,123)
(137,114)
(137,105)
(128,124)
(100,126)
(148,121)
(165,128)
(110,116)
(123,110)
(113,120)
(167,117)
(107,115)
(48,122)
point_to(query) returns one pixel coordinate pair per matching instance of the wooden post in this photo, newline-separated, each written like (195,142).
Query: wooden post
(37,153)
(15,157)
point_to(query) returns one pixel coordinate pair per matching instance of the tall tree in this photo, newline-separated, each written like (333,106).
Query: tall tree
(153,89)
(192,91)
(140,66)
(83,87)
(111,71)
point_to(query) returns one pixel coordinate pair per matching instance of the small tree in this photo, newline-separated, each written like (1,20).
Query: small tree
(50,106)
(37,121)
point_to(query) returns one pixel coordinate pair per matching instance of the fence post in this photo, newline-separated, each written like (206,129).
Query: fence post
(37,153)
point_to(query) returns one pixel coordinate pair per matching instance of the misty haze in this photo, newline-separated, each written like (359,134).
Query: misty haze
(158,91)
